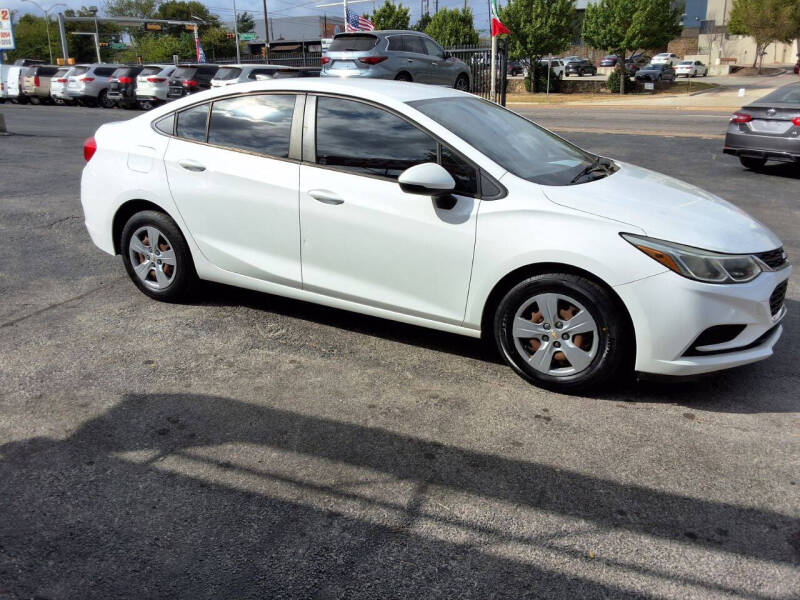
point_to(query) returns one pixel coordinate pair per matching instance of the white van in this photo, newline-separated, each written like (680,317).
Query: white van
(3,78)
(13,88)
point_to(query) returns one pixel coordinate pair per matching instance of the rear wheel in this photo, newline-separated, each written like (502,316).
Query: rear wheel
(157,257)
(562,331)
(403,77)
(104,101)
(752,163)
(146,104)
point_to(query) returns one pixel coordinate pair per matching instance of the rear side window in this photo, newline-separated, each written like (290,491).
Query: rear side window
(226,73)
(258,123)
(61,72)
(192,123)
(207,71)
(47,71)
(104,71)
(357,42)
(390,146)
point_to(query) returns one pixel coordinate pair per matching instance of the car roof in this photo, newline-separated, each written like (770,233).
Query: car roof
(382,91)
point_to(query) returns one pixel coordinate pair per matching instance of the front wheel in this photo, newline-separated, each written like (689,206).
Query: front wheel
(462,83)
(157,257)
(562,331)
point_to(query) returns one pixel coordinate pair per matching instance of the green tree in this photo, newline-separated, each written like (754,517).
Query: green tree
(538,28)
(767,21)
(178,10)
(217,44)
(390,16)
(423,23)
(155,47)
(453,27)
(245,22)
(142,9)
(31,38)
(620,26)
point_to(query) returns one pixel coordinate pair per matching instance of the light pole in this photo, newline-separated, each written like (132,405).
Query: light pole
(47,22)
(236,32)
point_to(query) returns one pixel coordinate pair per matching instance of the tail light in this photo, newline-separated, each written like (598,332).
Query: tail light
(125,80)
(796,121)
(739,117)
(86,79)
(156,79)
(36,81)
(324,60)
(372,60)
(189,83)
(61,80)
(89,148)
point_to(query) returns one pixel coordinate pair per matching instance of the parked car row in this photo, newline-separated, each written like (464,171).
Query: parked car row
(127,86)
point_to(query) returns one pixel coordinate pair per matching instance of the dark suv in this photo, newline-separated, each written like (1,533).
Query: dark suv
(580,68)
(122,87)
(188,79)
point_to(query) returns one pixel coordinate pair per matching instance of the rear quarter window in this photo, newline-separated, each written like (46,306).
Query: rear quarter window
(104,71)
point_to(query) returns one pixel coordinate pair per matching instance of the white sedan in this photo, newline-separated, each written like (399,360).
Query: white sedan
(433,207)
(691,68)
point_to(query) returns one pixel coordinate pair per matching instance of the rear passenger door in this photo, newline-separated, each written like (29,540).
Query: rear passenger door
(233,171)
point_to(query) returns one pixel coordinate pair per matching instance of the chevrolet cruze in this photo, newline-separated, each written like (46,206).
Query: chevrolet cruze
(433,207)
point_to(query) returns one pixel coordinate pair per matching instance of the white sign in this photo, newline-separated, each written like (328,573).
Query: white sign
(741,92)
(649,85)
(325,43)
(6,30)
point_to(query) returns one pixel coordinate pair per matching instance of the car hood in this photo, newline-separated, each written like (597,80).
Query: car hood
(668,209)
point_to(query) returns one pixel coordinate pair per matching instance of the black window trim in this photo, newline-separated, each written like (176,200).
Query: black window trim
(310,146)
(294,135)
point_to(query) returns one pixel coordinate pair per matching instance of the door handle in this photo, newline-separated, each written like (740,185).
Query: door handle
(410,60)
(191,165)
(325,197)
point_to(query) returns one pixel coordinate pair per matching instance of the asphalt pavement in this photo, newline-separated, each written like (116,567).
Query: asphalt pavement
(248,446)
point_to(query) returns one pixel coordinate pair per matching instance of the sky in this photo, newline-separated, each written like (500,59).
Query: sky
(276,8)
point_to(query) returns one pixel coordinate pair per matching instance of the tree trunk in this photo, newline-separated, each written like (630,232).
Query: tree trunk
(621,66)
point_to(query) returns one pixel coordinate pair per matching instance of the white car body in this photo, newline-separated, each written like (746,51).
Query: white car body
(58,85)
(557,66)
(665,58)
(3,81)
(246,73)
(691,68)
(264,224)
(153,86)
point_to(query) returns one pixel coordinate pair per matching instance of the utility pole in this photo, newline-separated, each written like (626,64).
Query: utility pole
(266,32)
(236,32)
(63,34)
(46,12)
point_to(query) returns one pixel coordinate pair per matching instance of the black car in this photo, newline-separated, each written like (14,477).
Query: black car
(580,68)
(609,61)
(767,129)
(188,79)
(122,87)
(657,72)
(515,67)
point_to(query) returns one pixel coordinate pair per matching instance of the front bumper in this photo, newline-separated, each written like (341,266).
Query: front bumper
(669,312)
(762,146)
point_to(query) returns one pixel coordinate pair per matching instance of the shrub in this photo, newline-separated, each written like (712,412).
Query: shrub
(612,83)
(539,82)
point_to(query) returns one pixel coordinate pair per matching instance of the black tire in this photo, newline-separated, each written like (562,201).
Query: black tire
(104,101)
(752,163)
(146,105)
(185,276)
(566,74)
(613,347)
(35,101)
(403,77)
(462,83)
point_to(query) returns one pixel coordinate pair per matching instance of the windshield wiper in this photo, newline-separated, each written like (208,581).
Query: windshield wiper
(595,165)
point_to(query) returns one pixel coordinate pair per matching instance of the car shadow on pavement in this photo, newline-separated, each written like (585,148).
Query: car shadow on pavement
(190,496)
(781,169)
(218,294)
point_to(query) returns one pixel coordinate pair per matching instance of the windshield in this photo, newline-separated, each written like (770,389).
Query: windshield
(226,73)
(514,143)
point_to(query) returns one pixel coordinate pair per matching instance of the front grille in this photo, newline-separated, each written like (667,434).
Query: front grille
(777,297)
(774,258)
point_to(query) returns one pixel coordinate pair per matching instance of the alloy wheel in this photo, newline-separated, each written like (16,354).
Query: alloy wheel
(555,334)
(152,257)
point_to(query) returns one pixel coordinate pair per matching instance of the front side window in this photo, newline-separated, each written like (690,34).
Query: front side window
(413,43)
(367,140)
(259,123)
(104,71)
(433,48)
(534,154)
(192,123)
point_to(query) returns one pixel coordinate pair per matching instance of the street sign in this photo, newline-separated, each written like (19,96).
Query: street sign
(152,26)
(6,30)
(649,85)
(247,37)
(119,45)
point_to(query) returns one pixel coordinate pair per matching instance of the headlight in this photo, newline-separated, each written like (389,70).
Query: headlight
(697,264)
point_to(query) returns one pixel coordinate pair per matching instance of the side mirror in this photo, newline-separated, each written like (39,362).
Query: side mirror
(447,55)
(427,179)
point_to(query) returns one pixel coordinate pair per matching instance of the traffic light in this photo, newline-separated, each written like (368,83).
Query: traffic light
(230,36)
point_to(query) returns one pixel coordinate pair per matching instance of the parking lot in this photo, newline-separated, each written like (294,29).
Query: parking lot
(250,446)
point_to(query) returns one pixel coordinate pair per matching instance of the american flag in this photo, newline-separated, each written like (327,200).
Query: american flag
(357,22)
